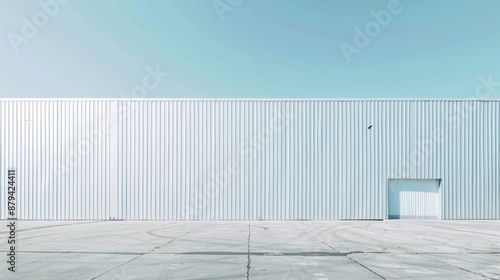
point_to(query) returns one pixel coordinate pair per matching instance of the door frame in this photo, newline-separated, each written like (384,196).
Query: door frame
(440,195)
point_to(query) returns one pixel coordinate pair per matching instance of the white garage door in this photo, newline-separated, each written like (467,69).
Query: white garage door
(414,199)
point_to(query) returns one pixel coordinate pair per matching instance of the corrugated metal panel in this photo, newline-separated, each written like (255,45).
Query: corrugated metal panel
(60,150)
(246,159)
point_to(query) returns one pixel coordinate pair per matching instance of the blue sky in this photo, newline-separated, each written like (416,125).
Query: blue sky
(248,48)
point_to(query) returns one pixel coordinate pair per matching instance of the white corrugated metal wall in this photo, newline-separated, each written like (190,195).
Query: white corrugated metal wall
(246,159)
(62,155)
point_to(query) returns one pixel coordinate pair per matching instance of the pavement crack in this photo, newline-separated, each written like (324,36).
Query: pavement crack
(248,253)
(155,248)
(309,234)
(366,267)
(410,252)
(466,270)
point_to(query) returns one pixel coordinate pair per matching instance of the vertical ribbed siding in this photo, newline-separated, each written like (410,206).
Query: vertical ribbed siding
(246,159)
(461,140)
(60,152)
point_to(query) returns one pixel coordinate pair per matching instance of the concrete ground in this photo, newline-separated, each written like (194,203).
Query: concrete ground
(255,250)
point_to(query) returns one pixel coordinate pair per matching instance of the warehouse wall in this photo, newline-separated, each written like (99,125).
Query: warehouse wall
(246,159)
(62,155)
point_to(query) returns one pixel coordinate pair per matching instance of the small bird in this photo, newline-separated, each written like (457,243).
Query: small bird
(370,126)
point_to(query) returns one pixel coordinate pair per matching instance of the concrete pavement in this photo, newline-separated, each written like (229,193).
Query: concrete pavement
(393,249)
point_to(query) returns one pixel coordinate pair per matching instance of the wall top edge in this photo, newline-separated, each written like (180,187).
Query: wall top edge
(255,99)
